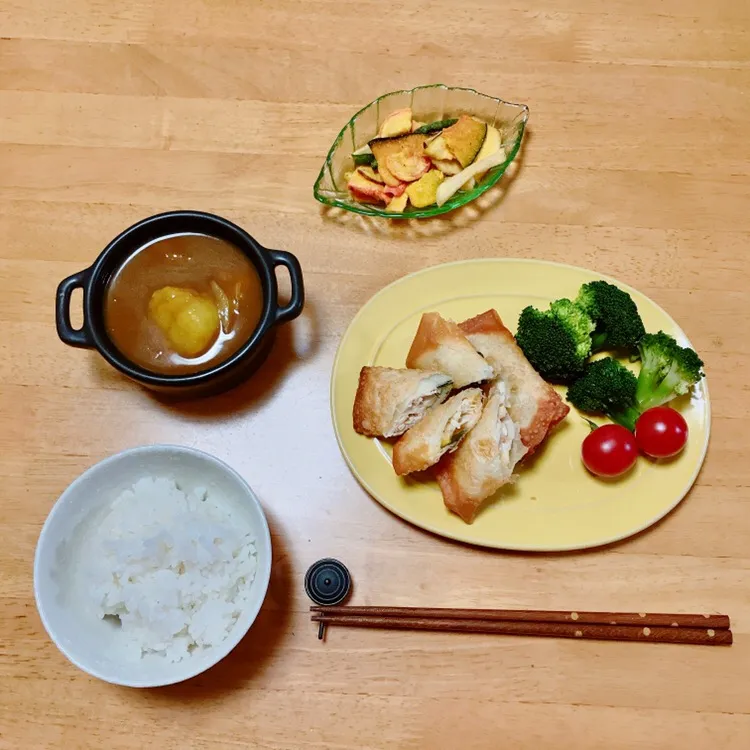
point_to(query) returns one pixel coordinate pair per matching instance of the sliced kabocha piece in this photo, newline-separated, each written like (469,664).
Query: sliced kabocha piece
(423,192)
(397,123)
(464,139)
(437,148)
(400,159)
(383,146)
(442,157)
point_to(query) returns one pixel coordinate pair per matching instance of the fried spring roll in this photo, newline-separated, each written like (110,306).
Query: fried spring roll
(440,432)
(535,405)
(440,345)
(485,460)
(390,401)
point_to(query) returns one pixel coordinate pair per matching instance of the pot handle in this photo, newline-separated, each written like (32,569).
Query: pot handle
(69,335)
(297,299)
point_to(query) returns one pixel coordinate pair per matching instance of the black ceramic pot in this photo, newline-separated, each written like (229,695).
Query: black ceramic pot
(94,280)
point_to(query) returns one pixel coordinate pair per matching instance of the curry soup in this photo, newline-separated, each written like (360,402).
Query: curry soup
(183,304)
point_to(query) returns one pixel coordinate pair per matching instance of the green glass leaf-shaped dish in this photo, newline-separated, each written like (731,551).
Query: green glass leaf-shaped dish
(428,104)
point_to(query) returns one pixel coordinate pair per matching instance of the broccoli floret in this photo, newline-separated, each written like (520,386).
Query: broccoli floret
(618,323)
(607,387)
(557,341)
(668,370)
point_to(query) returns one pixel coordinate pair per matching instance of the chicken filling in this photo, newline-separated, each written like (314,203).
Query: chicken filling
(458,424)
(508,434)
(431,391)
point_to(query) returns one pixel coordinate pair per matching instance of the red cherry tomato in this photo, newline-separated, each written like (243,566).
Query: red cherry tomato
(661,432)
(610,450)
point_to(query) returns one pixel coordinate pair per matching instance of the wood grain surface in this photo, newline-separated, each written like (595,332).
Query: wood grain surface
(635,164)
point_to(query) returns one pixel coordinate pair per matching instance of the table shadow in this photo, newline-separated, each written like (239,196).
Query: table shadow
(294,343)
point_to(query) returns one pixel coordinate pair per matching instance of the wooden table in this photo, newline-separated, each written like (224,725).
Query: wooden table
(635,164)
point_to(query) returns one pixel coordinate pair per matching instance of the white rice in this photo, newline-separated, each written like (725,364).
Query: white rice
(173,567)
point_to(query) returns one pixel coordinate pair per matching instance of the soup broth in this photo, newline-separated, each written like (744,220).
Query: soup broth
(183,304)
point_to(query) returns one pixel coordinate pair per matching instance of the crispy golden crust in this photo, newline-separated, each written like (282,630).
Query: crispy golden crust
(365,413)
(472,474)
(485,460)
(420,447)
(381,395)
(551,410)
(540,407)
(440,345)
(454,499)
(487,322)
(464,504)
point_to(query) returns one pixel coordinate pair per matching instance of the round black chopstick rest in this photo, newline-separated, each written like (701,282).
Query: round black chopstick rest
(327,582)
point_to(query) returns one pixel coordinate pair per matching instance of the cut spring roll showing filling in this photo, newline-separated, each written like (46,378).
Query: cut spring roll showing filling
(389,401)
(440,345)
(485,460)
(440,432)
(535,405)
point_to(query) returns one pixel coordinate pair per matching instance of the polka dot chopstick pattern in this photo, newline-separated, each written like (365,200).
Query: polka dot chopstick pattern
(694,629)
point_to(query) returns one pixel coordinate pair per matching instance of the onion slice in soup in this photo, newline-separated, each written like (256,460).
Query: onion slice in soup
(222,304)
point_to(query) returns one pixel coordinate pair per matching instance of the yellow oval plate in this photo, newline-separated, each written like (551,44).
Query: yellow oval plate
(555,504)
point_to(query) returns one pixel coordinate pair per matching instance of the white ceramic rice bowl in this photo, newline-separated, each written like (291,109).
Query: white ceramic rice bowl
(92,643)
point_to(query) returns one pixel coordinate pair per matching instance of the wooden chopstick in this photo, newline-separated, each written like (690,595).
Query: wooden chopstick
(637,619)
(656,634)
(704,630)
